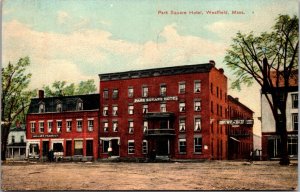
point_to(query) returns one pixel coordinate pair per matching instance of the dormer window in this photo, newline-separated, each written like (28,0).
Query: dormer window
(79,106)
(58,106)
(42,107)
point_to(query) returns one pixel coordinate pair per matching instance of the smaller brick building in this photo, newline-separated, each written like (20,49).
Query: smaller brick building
(240,132)
(67,125)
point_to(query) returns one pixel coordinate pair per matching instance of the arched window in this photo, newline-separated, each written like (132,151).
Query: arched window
(79,105)
(58,106)
(42,107)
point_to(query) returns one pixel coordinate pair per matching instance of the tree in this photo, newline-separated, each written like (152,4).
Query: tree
(15,98)
(60,88)
(270,59)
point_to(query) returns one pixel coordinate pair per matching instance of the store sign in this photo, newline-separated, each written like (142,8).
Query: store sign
(155,99)
(45,136)
(236,122)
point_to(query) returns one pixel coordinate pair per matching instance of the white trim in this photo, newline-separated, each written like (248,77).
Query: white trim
(49,120)
(77,139)
(32,122)
(68,119)
(79,119)
(41,121)
(89,138)
(59,120)
(91,118)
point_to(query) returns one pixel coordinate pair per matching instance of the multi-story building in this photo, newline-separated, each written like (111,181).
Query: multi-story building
(174,111)
(270,139)
(16,145)
(240,130)
(68,125)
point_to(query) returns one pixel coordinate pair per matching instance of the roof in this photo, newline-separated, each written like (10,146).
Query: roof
(293,81)
(183,69)
(236,101)
(69,103)
(18,128)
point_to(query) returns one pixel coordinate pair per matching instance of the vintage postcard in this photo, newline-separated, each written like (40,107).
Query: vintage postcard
(149,95)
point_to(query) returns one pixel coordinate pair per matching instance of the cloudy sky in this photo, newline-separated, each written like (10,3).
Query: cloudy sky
(75,40)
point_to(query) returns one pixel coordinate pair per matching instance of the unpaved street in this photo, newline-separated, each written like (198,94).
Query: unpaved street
(210,175)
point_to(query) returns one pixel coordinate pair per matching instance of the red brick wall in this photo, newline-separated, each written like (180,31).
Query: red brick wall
(85,134)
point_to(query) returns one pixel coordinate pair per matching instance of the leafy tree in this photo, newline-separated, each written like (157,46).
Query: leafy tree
(60,88)
(15,98)
(270,59)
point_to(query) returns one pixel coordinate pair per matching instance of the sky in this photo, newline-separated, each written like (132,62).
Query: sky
(75,40)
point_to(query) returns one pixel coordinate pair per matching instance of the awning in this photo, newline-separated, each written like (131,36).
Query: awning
(234,139)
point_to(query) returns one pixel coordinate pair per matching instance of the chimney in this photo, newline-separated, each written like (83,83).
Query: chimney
(41,94)
(212,62)
(237,99)
(18,124)
(221,70)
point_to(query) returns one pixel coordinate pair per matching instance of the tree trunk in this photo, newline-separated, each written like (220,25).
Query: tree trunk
(281,127)
(4,136)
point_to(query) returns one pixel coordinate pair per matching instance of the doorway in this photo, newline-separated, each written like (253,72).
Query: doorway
(89,148)
(68,148)
(45,148)
(162,147)
(115,147)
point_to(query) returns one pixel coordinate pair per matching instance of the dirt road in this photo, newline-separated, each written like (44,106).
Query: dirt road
(210,175)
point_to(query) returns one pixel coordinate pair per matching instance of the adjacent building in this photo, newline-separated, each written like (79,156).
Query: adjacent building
(16,145)
(270,139)
(172,111)
(240,134)
(68,125)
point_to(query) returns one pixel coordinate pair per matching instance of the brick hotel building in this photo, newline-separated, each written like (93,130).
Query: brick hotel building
(174,111)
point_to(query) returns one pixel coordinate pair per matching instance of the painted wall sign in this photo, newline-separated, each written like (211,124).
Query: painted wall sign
(236,122)
(155,99)
(45,136)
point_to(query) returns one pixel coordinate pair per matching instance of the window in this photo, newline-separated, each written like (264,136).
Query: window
(105,126)
(163,90)
(197,105)
(59,107)
(145,127)
(198,144)
(163,107)
(182,125)
(295,121)
(105,94)
(221,94)
(131,147)
(145,147)
(197,124)
(50,126)
(197,86)
(115,94)
(181,107)
(32,127)
(69,125)
(105,111)
(105,145)
(130,126)
(221,111)
(145,92)
(130,109)
(41,126)
(42,108)
(115,110)
(130,92)
(58,126)
(115,126)
(211,89)
(145,109)
(211,107)
(294,101)
(22,138)
(79,105)
(293,145)
(90,124)
(217,90)
(182,145)
(181,87)
(79,125)
(78,147)
(13,139)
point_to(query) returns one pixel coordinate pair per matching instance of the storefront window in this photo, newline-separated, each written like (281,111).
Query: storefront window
(182,145)
(78,148)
